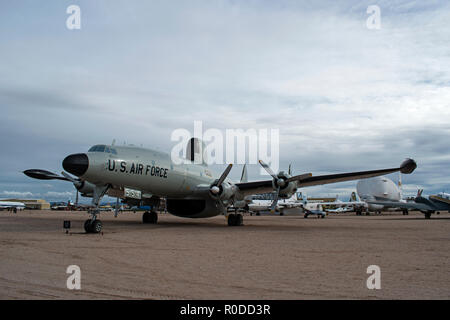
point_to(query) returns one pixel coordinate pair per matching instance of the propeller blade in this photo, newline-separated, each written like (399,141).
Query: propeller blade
(43,175)
(224,175)
(289,169)
(69,178)
(299,177)
(275,201)
(267,168)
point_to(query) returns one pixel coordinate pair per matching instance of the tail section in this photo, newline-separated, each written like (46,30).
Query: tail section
(244,175)
(305,199)
(354,197)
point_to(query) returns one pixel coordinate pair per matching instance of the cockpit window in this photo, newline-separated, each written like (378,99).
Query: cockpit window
(98,148)
(102,148)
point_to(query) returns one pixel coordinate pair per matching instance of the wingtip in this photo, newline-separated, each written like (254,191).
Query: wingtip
(408,166)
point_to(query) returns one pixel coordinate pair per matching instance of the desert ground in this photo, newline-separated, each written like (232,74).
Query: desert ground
(270,257)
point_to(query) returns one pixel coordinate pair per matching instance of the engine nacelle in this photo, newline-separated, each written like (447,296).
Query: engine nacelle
(288,189)
(226,191)
(85,188)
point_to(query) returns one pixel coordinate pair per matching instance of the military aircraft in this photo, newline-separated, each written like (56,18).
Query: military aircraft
(434,203)
(191,189)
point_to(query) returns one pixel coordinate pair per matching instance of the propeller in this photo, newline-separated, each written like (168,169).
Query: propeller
(47,175)
(281,181)
(44,175)
(215,187)
(70,178)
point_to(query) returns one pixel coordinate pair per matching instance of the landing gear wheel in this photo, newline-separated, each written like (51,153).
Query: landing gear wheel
(281,213)
(231,219)
(96,226)
(427,215)
(305,216)
(93,226)
(150,217)
(87,226)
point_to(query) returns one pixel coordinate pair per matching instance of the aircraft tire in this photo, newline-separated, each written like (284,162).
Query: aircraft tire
(239,220)
(231,219)
(427,215)
(96,226)
(150,217)
(305,216)
(87,225)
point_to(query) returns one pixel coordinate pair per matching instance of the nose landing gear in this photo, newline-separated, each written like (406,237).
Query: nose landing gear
(150,217)
(93,226)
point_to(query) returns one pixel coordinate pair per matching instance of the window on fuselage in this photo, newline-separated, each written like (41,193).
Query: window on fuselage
(98,148)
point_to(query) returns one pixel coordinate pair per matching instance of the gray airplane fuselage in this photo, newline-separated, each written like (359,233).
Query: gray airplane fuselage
(152,172)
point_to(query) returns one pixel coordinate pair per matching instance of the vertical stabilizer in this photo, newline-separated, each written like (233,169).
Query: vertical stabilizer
(244,175)
(354,197)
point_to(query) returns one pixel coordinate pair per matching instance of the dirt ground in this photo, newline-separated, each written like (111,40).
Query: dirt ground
(271,257)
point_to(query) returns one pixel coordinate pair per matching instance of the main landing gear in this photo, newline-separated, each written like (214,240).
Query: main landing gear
(93,225)
(150,217)
(235,219)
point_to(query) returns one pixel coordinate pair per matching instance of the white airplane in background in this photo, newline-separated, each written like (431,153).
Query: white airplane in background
(12,205)
(380,189)
(258,205)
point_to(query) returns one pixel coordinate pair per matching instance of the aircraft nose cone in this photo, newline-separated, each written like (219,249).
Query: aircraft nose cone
(76,164)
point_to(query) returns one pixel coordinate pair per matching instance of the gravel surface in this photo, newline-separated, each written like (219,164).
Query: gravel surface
(270,257)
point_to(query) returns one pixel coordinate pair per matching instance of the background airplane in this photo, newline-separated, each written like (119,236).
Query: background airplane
(11,205)
(379,189)
(432,204)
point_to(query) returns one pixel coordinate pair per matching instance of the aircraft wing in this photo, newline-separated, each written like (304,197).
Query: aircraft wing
(258,187)
(405,205)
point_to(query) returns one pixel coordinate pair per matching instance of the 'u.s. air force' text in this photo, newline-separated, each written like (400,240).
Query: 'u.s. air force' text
(137,168)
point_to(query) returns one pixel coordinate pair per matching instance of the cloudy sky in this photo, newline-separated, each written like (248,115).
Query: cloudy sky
(343,96)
